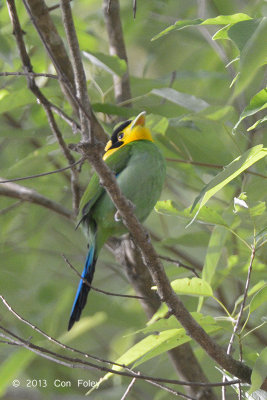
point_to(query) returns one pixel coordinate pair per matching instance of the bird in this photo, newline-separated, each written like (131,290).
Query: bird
(139,167)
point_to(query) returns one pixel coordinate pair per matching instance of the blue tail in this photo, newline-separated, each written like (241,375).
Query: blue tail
(83,289)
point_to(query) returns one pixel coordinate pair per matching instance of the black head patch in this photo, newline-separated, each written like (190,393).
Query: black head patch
(114,138)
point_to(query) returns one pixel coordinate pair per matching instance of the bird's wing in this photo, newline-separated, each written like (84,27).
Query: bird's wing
(116,162)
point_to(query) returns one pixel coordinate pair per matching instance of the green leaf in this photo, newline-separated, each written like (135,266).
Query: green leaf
(110,64)
(214,252)
(259,122)
(258,209)
(257,103)
(258,299)
(182,99)
(252,57)
(157,323)
(241,32)
(14,99)
(192,287)
(220,20)
(259,371)
(230,172)
(256,288)
(206,215)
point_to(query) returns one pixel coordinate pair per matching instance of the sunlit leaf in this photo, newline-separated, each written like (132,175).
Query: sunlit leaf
(192,287)
(206,215)
(220,20)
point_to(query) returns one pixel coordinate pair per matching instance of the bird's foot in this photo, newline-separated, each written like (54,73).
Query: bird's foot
(117,216)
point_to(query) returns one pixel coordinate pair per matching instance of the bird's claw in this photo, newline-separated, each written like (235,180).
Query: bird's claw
(117,216)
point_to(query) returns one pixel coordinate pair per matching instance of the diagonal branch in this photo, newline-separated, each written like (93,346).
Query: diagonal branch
(25,194)
(155,267)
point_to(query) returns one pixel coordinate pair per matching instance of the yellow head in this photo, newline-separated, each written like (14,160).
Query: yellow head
(128,132)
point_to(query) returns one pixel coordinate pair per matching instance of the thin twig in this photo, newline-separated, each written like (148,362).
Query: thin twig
(55,341)
(31,74)
(79,363)
(7,209)
(179,264)
(134,7)
(56,171)
(100,290)
(240,314)
(86,355)
(236,327)
(127,391)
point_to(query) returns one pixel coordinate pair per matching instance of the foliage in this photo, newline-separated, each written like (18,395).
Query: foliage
(201,82)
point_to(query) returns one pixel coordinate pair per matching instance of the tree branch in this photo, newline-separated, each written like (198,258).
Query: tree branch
(42,99)
(155,267)
(79,74)
(117,47)
(39,14)
(182,357)
(25,194)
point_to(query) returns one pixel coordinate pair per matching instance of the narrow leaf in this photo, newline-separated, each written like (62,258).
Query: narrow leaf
(257,103)
(182,99)
(259,371)
(110,64)
(230,172)
(220,20)
(206,215)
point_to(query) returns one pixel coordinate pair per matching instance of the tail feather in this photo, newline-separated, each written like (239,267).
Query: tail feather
(83,289)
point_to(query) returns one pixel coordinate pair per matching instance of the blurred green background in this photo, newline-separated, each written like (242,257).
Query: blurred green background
(34,278)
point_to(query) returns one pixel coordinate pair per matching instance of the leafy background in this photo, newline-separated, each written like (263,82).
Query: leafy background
(197,115)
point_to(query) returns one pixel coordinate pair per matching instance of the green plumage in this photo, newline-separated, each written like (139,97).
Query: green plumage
(140,170)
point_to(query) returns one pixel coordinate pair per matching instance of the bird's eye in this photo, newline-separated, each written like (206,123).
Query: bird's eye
(120,136)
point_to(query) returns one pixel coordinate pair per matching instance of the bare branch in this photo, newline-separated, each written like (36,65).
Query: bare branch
(100,290)
(82,364)
(141,238)
(42,174)
(25,194)
(179,264)
(128,389)
(45,103)
(117,47)
(33,8)
(240,314)
(182,357)
(32,74)
(79,74)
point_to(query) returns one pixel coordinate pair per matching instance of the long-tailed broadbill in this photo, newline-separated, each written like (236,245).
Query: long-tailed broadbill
(140,171)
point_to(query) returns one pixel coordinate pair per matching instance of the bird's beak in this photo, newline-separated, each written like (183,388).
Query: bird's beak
(108,145)
(139,120)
